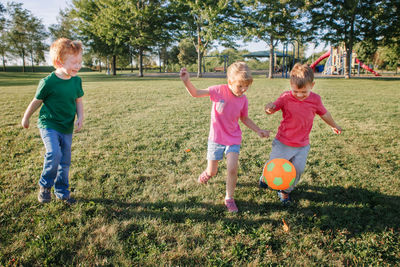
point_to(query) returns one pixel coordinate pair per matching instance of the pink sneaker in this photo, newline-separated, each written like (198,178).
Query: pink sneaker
(231,205)
(203,178)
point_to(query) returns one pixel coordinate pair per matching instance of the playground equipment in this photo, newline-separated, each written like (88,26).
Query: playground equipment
(335,63)
(286,66)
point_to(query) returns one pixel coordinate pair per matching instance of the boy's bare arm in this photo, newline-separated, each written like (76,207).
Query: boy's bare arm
(250,124)
(327,117)
(193,91)
(33,106)
(79,113)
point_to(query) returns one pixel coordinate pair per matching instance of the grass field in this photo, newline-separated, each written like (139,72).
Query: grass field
(139,202)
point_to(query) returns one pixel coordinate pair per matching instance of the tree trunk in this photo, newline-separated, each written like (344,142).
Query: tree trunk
(23,61)
(199,74)
(32,63)
(347,62)
(140,62)
(114,64)
(4,63)
(271,61)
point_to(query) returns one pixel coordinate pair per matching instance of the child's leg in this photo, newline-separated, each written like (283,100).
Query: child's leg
(61,184)
(52,157)
(299,162)
(212,167)
(232,169)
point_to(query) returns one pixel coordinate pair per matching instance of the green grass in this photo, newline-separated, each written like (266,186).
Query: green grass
(139,202)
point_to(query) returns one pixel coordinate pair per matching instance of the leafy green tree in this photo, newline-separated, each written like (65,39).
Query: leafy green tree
(187,52)
(144,24)
(36,36)
(272,21)
(95,30)
(65,27)
(3,35)
(365,51)
(206,21)
(346,22)
(17,34)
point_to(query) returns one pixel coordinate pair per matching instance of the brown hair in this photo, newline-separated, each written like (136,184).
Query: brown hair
(63,46)
(239,72)
(301,75)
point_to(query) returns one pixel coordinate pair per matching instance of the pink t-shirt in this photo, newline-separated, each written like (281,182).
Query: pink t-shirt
(298,117)
(225,114)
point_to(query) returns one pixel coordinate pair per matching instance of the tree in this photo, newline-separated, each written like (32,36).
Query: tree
(187,52)
(36,34)
(272,22)
(95,29)
(66,26)
(144,24)
(345,22)
(206,21)
(18,37)
(3,35)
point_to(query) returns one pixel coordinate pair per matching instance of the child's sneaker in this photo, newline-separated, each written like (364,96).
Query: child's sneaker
(284,197)
(203,178)
(262,184)
(231,205)
(44,195)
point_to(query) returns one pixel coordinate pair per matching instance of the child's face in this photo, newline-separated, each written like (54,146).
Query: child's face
(71,65)
(301,93)
(238,88)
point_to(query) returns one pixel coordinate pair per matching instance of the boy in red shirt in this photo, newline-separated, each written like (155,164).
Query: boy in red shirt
(299,106)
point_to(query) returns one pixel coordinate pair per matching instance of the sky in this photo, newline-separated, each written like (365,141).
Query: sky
(48,10)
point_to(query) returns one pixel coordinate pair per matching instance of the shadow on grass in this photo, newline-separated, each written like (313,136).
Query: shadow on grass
(353,210)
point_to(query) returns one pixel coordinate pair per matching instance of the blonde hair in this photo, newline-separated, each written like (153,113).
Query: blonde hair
(301,75)
(62,47)
(239,72)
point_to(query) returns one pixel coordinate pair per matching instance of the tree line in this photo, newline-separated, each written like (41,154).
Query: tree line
(126,30)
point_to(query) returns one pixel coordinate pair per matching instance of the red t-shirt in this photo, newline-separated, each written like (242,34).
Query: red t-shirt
(298,117)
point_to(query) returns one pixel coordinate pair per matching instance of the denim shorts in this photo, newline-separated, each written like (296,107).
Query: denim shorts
(216,151)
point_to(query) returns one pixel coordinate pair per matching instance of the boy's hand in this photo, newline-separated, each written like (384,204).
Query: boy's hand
(270,108)
(25,123)
(184,75)
(337,129)
(78,125)
(263,133)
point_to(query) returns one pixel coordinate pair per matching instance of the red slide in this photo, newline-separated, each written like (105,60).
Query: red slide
(327,54)
(362,65)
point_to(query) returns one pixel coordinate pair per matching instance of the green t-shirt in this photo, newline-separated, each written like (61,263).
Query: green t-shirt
(59,102)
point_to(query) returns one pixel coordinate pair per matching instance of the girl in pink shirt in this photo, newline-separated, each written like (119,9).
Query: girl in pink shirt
(229,104)
(299,107)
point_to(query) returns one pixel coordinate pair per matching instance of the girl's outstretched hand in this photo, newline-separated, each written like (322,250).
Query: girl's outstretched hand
(264,133)
(184,74)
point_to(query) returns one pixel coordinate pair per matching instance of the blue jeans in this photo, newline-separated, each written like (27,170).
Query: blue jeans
(56,161)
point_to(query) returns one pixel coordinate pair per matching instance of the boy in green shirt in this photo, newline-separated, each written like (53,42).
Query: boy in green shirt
(61,95)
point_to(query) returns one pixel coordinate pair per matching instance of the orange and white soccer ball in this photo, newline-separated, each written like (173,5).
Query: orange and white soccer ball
(279,174)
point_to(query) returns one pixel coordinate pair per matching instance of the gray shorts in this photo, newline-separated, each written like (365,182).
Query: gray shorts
(296,155)
(216,151)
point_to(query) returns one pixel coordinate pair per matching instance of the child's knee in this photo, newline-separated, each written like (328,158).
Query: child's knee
(53,157)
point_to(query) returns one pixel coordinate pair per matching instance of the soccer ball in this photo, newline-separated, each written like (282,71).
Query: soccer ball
(279,174)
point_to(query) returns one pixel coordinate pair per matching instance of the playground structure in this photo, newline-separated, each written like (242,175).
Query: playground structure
(336,60)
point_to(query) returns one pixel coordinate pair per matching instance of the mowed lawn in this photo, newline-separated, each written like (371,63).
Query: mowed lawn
(139,202)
